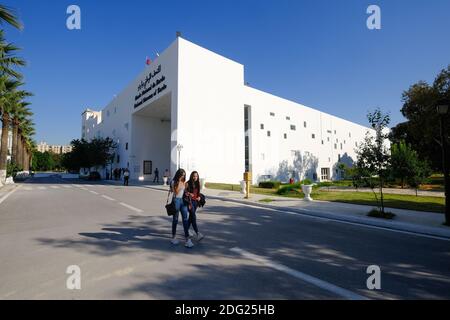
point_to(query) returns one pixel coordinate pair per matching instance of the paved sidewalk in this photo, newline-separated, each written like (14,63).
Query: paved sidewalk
(427,223)
(407,191)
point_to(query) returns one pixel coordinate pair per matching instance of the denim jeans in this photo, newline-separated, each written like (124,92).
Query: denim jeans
(192,216)
(181,207)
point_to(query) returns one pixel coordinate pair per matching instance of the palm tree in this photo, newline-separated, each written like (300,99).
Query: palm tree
(8,83)
(19,113)
(8,15)
(25,150)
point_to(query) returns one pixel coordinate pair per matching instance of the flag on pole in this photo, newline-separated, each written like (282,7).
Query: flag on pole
(148,61)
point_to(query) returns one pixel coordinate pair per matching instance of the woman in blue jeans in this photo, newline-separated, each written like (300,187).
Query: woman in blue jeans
(178,186)
(193,190)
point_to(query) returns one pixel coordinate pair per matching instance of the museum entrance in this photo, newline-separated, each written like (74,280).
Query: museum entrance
(151,133)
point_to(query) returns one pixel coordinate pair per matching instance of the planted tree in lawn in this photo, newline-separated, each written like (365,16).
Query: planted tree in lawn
(373,155)
(404,162)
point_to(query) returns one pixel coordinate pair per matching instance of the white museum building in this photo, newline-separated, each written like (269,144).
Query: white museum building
(191,108)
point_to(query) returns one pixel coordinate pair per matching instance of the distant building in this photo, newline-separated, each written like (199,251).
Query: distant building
(57,149)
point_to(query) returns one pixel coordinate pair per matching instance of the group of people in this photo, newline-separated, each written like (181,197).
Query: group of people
(187,198)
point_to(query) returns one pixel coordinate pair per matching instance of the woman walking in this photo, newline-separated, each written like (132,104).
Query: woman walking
(177,186)
(193,190)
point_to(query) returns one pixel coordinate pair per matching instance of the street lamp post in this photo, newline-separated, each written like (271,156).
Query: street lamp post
(442,110)
(179,147)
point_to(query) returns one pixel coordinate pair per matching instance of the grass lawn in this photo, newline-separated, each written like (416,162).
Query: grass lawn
(399,201)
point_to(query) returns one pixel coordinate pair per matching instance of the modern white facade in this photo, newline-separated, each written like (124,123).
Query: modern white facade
(193,97)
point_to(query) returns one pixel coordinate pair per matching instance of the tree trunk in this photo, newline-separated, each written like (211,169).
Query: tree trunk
(15,139)
(4,147)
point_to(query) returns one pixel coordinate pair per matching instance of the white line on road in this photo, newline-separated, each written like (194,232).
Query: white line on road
(66,186)
(131,207)
(300,275)
(42,188)
(54,187)
(108,198)
(93,192)
(8,194)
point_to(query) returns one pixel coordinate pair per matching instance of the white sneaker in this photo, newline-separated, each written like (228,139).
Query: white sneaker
(174,241)
(200,236)
(191,233)
(189,244)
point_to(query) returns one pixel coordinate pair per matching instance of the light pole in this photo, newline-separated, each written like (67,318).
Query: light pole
(442,110)
(179,147)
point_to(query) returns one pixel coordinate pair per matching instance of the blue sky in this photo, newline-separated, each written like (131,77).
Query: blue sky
(319,53)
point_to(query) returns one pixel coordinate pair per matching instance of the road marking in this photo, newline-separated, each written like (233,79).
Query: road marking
(131,207)
(108,198)
(68,187)
(9,193)
(93,192)
(300,275)
(27,188)
(358,224)
(54,187)
(42,188)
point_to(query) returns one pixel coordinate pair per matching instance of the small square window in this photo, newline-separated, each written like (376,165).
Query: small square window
(304,124)
(288,118)
(285,136)
(313,136)
(272,114)
(334,131)
(341,146)
(335,146)
(262,126)
(322,141)
(349,134)
(126,146)
(292,127)
(328,139)
(268,133)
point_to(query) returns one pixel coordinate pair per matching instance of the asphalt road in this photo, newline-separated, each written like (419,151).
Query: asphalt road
(120,239)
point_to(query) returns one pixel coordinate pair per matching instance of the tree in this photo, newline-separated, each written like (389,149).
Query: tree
(421,130)
(404,161)
(9,16)
(421,172)
(94,154)
(8,84)
(373,155)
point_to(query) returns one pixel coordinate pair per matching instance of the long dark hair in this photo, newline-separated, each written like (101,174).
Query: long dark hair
(176,179)
(194,184)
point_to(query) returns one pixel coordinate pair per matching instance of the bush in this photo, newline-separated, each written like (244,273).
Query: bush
(290,188)
(270,184)
(307,182)
(376,213)
(12,169)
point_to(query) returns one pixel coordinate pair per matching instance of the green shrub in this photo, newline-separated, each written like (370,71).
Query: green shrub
(270,184)
(376,213)
(307,182)
(290,188)
(12,169)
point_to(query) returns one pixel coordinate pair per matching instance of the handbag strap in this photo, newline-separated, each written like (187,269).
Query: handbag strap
(168,196)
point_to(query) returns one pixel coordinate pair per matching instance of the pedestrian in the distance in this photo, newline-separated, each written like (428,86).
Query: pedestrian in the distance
(178,186)
(156,179)
(126,177)
(193,191)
